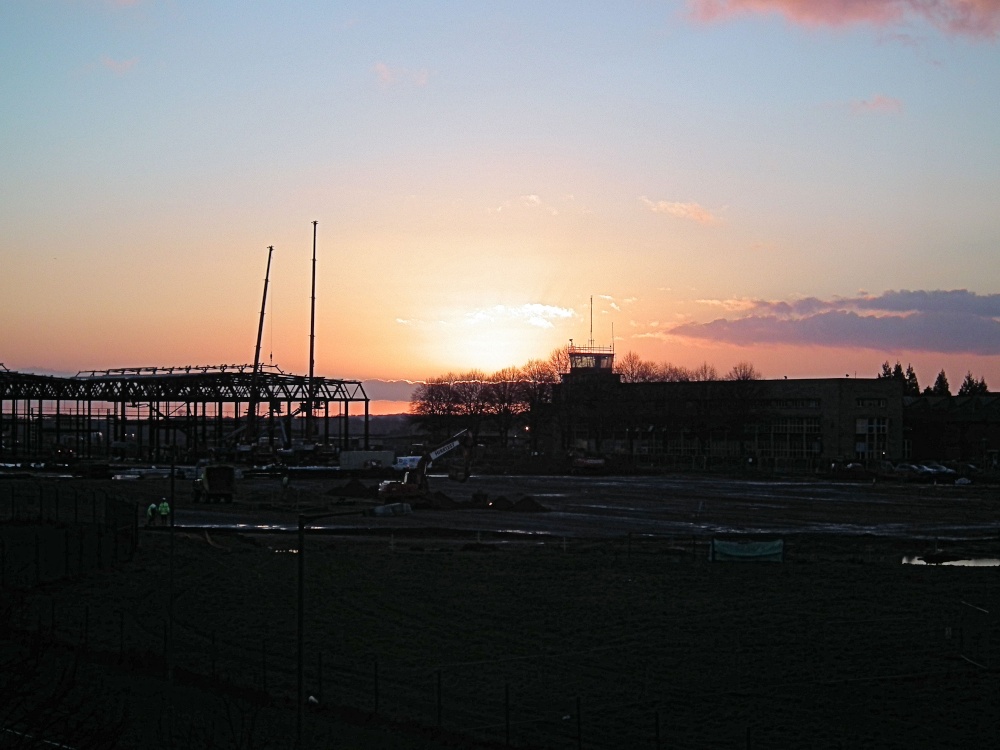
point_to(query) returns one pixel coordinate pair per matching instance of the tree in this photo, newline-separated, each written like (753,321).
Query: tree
(940,387)
(704,372)
(972,387)
(559,360)
(744,371)
(471,398)
(505,400)
(908,378)
(434,404)
(634,369)
(538,377)
(669,373)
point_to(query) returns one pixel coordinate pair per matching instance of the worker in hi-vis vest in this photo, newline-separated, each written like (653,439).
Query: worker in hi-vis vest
(164,510)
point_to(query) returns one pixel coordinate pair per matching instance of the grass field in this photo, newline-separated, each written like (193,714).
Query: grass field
(423,641)
(591,644)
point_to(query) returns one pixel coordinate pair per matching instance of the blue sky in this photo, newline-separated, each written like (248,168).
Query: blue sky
(481,171)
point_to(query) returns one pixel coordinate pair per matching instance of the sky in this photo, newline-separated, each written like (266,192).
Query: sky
(809,187)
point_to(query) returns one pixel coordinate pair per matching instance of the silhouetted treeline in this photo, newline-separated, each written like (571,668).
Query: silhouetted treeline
(911,387)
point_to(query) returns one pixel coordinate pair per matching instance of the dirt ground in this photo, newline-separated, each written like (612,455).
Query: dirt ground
(597,622)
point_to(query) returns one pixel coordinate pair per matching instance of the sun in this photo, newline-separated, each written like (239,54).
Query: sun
(488,349)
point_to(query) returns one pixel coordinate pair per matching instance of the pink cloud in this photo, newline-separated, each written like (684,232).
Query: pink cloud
(975,18)
(692,211)
(879,104)
(118,67)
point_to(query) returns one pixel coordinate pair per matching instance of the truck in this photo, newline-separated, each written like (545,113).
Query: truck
(214,483)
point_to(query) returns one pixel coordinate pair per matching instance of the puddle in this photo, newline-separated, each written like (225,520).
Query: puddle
(942,559)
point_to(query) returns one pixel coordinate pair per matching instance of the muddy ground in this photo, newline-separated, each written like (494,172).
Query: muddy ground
(590,618)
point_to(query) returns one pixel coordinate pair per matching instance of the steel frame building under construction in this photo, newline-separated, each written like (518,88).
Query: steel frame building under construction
(187,412)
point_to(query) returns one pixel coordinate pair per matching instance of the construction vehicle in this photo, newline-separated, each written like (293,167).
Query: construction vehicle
(414,484)
(214,483)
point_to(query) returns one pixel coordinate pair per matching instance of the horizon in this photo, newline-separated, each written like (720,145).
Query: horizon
(807,187)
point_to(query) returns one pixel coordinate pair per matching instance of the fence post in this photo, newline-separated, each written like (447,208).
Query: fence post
(213,654)
(376,685)
(3,564)
(579,726)
(657,719)
(86,626)
(506,713)
(121,633)
(66,553)
(38,560)
(319,673)
(438,698)
(263,663)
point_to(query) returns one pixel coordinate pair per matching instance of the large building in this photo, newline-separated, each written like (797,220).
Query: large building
(802,424)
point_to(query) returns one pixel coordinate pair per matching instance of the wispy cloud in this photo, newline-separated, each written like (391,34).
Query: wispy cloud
(878,104)
(391,76)
(119,67)
(533,313)
(953,321)
(692,211)
(972,18)
(530,202)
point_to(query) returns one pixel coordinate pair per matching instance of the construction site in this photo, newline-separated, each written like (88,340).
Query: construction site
(157,414)
(255,413)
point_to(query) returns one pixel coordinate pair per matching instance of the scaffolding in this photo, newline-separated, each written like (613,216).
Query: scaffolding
(191,411)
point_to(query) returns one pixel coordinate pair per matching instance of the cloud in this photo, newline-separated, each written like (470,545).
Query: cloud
(534,314)
(972,18)
(388,390)
(955,321)
(879,104)
(530,202)
(389,76)
(691,211)
(118,67)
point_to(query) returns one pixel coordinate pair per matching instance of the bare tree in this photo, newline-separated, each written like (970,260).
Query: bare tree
(670,373)
(704,372)
(505,400)
(634,369)
(559,360)
(435,405)
(744,370)
(471,398)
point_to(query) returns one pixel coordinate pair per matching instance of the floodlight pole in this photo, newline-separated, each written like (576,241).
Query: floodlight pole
(312,342)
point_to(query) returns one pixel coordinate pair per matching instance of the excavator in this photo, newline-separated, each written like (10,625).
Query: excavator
(414,484)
